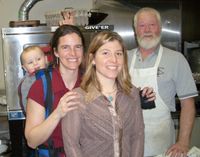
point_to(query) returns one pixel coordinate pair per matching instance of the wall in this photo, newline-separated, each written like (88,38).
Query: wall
(9,12)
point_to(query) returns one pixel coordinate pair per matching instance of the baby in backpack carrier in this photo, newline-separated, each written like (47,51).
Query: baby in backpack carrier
(32,59)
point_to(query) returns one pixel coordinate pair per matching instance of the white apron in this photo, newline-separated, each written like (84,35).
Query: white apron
(159,127)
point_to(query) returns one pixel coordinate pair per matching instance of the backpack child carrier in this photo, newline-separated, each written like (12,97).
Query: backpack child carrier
(46,150)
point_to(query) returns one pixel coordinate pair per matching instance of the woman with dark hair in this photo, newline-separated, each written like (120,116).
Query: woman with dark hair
(109,121)
(44,132)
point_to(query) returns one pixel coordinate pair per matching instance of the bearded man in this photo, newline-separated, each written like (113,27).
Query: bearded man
(168,72)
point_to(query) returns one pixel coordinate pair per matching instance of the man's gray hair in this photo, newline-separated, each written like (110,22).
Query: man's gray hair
(150,10)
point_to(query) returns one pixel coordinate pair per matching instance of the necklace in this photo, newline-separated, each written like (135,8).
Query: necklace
(109,95)
(110,98)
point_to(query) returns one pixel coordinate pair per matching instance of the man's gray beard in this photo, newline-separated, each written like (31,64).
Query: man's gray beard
(148,44)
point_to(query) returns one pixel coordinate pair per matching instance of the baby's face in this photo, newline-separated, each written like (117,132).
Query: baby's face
(34,60)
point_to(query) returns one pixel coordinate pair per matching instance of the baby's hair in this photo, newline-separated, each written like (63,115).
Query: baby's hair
(27,49)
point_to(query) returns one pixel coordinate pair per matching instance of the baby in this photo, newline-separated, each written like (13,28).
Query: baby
(32,59)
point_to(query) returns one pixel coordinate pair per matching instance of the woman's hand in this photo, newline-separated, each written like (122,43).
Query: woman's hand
(70,101)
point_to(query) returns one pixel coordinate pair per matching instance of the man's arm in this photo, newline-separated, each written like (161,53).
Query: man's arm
(187,118)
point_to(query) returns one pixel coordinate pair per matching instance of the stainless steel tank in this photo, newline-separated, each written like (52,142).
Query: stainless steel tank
(120,14)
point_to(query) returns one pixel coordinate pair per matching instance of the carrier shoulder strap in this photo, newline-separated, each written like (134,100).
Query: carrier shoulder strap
(46,76)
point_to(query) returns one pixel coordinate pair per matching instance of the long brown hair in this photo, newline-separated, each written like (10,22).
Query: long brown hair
(90,78)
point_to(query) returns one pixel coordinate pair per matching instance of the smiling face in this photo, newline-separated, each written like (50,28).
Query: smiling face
(69,51)
(33,60)
(148,30)
(106,63)
(108,60)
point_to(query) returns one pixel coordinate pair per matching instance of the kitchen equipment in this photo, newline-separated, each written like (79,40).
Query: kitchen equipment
(31,23)
(194,59)
(192,53)
(14,41)
(96,16)
(82,17)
